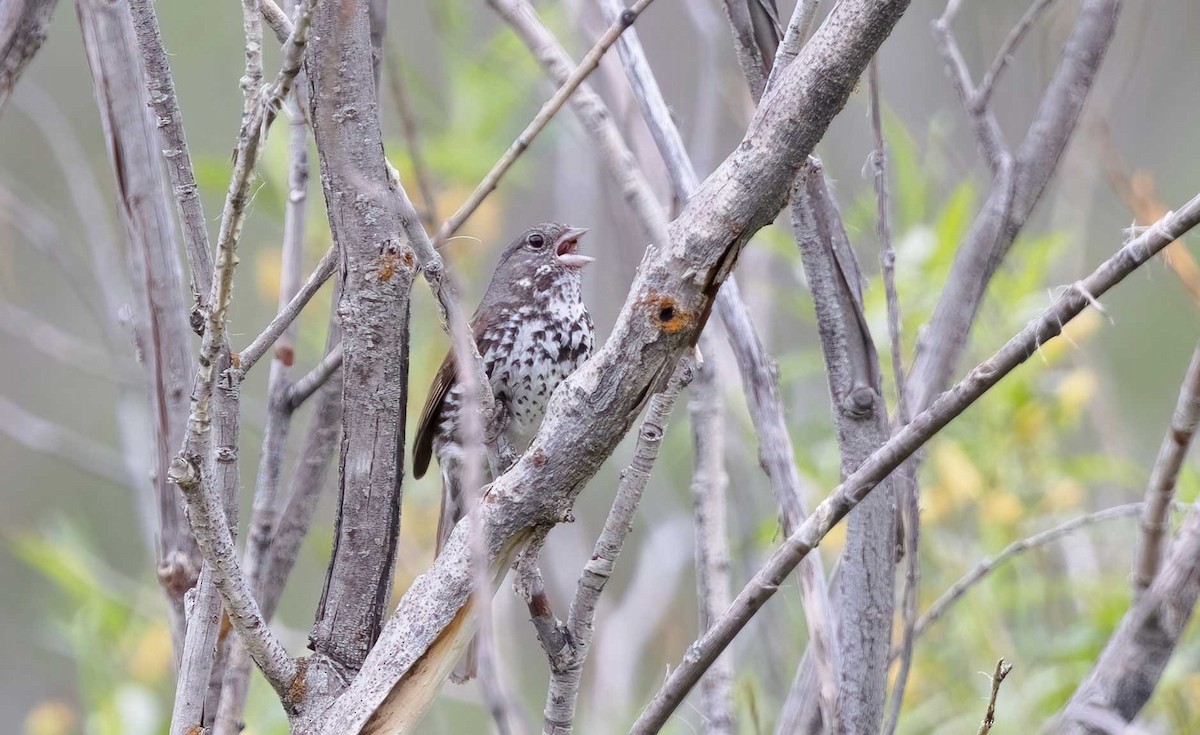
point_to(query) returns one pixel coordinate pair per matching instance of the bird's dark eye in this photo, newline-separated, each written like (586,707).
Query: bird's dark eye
(536,241)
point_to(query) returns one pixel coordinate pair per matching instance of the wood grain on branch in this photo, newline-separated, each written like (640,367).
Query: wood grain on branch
(377,265)
(902,445)
(667,306)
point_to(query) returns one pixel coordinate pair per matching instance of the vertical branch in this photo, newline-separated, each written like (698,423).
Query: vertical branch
(905,479)
(1161,488)
(160,322)
(175,151)
(709,483)
(377,269)
(22,30)
(860,420)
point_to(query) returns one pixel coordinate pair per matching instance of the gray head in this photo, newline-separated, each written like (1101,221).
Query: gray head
(541,256)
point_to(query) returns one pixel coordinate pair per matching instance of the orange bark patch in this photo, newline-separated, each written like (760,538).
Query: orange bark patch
(285,354)
(667,313)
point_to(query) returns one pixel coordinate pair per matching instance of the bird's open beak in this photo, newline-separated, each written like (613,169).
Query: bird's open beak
(567,246)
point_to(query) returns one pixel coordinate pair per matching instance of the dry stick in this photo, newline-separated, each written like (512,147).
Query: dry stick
(989,718)
(1019,184)
(907,487)
(23,25)
(983,94)
(798,28)
(412,137)
(586,66)
(175,151)
(709,484)
(902,445)
(310,382)
(986,566)
(160,320)
(982,119)
(326,267)
(188,470)
(1161,488)
(564,682)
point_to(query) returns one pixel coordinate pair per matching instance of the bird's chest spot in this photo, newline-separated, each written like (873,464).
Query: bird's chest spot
(547,345)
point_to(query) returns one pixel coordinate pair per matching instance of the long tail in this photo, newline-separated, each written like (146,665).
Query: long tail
(454,507)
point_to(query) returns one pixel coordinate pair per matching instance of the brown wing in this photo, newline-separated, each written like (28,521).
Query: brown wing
(423,448)
(443,381)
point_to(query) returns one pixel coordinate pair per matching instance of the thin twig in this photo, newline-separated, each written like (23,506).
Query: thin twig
(1161,488)
(709,484)
(304,387)
(798,28)
(982,119)
(906,484)
(248,357)
(565,676)
(412,137)
(983,93)
(948,598)
(902,445)
(586,66)
(989,718)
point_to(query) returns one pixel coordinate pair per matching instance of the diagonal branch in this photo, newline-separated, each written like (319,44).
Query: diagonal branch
(23,26)
(1161,488)
(589,63)
(902,445)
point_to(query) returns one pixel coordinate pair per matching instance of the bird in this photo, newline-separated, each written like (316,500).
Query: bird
(532,330)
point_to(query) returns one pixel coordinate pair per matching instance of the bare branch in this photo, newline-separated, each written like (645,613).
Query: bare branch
(1129,668)
(1161,488)
(902,445)
(412,137)
(159,320)
(983,94)
(749,55)
(956,591)
(989,718)
(798,28)
(378,264)
(302,389)
(161,88)
(709,483)
(589,63)
(983,120)
(905,481)
(212,533)
(250,356)
(564,679)
(1017,188)
(22,30)
(860,421)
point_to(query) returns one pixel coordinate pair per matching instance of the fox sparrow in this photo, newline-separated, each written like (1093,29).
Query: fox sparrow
(532,331)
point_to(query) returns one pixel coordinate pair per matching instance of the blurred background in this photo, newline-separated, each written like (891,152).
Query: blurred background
(83,641)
